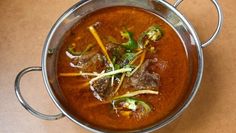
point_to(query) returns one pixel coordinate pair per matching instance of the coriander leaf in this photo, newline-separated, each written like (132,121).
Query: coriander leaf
(129,56)
(117,66)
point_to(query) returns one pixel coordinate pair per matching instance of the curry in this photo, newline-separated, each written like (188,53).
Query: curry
(122,68)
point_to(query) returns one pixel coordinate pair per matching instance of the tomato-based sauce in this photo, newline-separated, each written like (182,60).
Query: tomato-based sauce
(171,65)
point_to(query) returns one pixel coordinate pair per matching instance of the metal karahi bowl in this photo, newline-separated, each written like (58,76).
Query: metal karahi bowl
(163,9)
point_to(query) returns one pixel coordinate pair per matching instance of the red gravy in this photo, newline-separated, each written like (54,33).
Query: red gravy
(170,51)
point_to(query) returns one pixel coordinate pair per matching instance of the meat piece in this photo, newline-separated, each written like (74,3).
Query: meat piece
(91,62)
(143,79)
(111,46)
(116,50)
(102,88)
(162,65)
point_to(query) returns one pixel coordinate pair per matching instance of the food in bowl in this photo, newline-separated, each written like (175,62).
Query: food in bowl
(122,68)
(126,66)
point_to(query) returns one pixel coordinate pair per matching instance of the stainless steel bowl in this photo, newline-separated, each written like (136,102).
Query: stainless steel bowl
(166,11)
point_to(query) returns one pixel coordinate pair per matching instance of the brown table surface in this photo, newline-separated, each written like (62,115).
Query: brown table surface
(24,25)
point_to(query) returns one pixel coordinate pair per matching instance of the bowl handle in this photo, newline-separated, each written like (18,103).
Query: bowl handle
(219,25)
(24,103)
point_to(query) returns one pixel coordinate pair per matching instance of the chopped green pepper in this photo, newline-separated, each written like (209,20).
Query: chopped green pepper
(153,33)
(131,44)
(71,49)
(138,107)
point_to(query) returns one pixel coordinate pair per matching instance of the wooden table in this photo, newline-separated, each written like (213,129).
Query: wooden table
(24,25)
